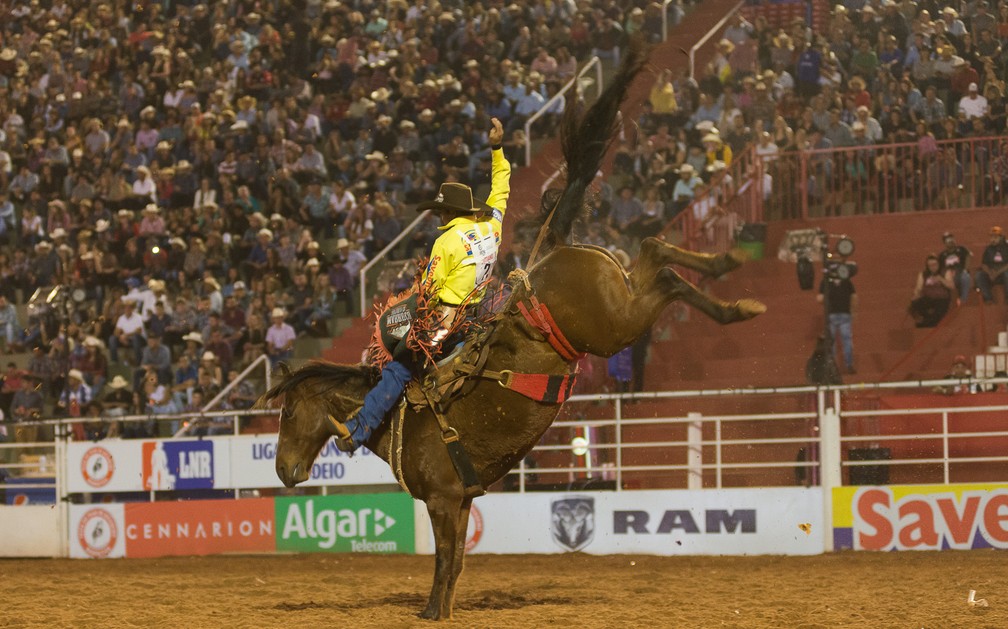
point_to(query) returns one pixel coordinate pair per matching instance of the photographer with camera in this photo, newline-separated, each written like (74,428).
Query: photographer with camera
(836,292)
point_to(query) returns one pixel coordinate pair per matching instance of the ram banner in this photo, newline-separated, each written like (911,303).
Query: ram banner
(784,521)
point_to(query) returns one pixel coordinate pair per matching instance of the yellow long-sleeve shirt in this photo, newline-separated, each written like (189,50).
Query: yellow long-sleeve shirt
(663,99)
(463,257)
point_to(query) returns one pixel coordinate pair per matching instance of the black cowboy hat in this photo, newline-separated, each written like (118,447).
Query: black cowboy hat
(455,197)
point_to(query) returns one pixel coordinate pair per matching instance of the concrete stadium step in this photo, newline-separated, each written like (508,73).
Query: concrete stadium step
(348,346)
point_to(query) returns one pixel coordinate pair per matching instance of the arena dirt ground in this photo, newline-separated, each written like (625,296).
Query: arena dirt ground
(842,590)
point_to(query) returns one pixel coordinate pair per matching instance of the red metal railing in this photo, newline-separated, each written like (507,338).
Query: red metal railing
(733,198)
(851,181)
(889,178)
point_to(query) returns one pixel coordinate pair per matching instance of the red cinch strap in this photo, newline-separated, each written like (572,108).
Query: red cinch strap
(539,317)
(541,387)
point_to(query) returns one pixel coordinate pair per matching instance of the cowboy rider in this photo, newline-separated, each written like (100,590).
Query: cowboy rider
(461,262)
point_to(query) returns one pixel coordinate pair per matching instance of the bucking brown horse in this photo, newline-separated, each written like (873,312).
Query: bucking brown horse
(588,303)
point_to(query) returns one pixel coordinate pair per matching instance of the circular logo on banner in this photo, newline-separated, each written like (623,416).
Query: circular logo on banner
(475,529)
(97,467)
(97,533)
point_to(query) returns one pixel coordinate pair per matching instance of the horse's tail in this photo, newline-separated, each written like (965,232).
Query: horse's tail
(586,136)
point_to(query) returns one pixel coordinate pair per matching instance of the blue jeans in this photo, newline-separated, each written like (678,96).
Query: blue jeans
(379,401)
(840,328)
(963,283)
(136,341)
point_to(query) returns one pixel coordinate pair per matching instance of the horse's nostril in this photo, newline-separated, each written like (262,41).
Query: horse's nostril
(295,471)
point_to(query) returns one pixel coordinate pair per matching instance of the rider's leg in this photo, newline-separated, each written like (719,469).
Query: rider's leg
(377,403)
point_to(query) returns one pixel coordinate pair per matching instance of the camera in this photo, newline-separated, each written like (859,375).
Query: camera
(842,269)
(839,269)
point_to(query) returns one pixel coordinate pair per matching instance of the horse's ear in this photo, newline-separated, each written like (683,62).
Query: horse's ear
(282,369)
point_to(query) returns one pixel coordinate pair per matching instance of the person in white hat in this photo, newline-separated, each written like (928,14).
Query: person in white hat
(461,263)
(716,149)
(212,291)
(973,104)
(682,192)
(118,399)
(129,331)
(92,362)
(352,258)
(76,393)
(279,338)
(209,368)
(144,187)
(953,25)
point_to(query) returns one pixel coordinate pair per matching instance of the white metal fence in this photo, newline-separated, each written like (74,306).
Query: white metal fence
(654,440)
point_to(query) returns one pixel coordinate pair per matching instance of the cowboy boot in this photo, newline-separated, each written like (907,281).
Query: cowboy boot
(339,430)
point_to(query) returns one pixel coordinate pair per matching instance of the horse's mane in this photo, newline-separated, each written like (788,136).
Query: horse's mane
(333,375)
(585,137)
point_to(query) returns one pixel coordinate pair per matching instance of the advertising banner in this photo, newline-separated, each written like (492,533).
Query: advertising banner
(921,517)
(235,462)
(145,464)
(353,523)
(253,461)
(675,522)
(199,527)
(25,490)
(96,531)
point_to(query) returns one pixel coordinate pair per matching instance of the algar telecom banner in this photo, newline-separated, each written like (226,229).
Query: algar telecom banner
(354,523)
(673,522)
(921,517)
(358,523)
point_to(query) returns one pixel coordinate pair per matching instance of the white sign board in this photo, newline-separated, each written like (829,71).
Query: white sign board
(253,461)
(785,521)
(148,464)
(231,462)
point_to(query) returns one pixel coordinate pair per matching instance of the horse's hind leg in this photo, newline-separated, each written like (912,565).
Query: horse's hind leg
(444,515)
(670,282)
(655,254)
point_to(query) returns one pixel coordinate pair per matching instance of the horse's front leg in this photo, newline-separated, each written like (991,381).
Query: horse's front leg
(444,515)
(461,528)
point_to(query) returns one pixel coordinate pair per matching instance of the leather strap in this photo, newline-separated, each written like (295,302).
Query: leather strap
(538,315)
(541,387)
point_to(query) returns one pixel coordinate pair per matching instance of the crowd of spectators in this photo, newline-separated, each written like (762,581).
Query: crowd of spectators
(185,186)
(179,170)
(871,73)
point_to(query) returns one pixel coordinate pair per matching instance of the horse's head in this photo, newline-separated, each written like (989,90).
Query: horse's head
(307,399)
(304,429)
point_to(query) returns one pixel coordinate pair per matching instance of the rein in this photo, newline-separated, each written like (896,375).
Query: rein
(542,234)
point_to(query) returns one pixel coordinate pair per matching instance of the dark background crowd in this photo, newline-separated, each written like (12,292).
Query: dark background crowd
(203,182)
(867,76)
(185,187)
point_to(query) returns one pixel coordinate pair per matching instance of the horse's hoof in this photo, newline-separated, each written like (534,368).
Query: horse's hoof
(748,308)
